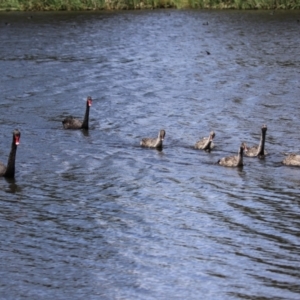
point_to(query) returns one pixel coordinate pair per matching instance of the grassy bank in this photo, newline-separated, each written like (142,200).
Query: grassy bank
(39,5)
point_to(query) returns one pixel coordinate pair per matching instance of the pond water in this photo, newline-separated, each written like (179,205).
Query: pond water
(92,215)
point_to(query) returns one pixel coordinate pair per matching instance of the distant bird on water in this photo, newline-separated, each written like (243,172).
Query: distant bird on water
(9,170)
(73,123)
(206,143)
(234,161)
(259,150)
(154,142)
(292,160)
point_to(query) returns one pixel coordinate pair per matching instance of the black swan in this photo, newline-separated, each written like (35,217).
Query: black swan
(73,123)
(259,150)
(154,142)
(234,161)
(9,170)
(206,142)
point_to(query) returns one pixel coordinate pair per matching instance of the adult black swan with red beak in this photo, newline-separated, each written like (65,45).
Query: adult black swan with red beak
(73,123)
(9,170)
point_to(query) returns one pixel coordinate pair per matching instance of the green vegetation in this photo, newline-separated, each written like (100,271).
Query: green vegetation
(39,5)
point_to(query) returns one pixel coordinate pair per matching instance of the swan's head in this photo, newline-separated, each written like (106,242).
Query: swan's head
(211,135)
(162,134)
(243,147)
(264,128)
(89,101)
(16,137)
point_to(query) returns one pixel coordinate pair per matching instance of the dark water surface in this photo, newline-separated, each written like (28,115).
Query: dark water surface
(94,216)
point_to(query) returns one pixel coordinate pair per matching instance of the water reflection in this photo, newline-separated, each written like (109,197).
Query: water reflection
(12,186)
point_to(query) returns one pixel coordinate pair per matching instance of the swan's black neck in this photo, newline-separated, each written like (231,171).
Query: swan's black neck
(10,169)
(207,145)
(85,123)
(261,147)
(159,143)
(240,156)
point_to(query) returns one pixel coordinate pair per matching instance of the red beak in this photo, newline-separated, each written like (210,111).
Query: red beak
(17,140)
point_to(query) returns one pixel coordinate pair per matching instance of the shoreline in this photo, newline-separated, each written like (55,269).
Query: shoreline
(115,5)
